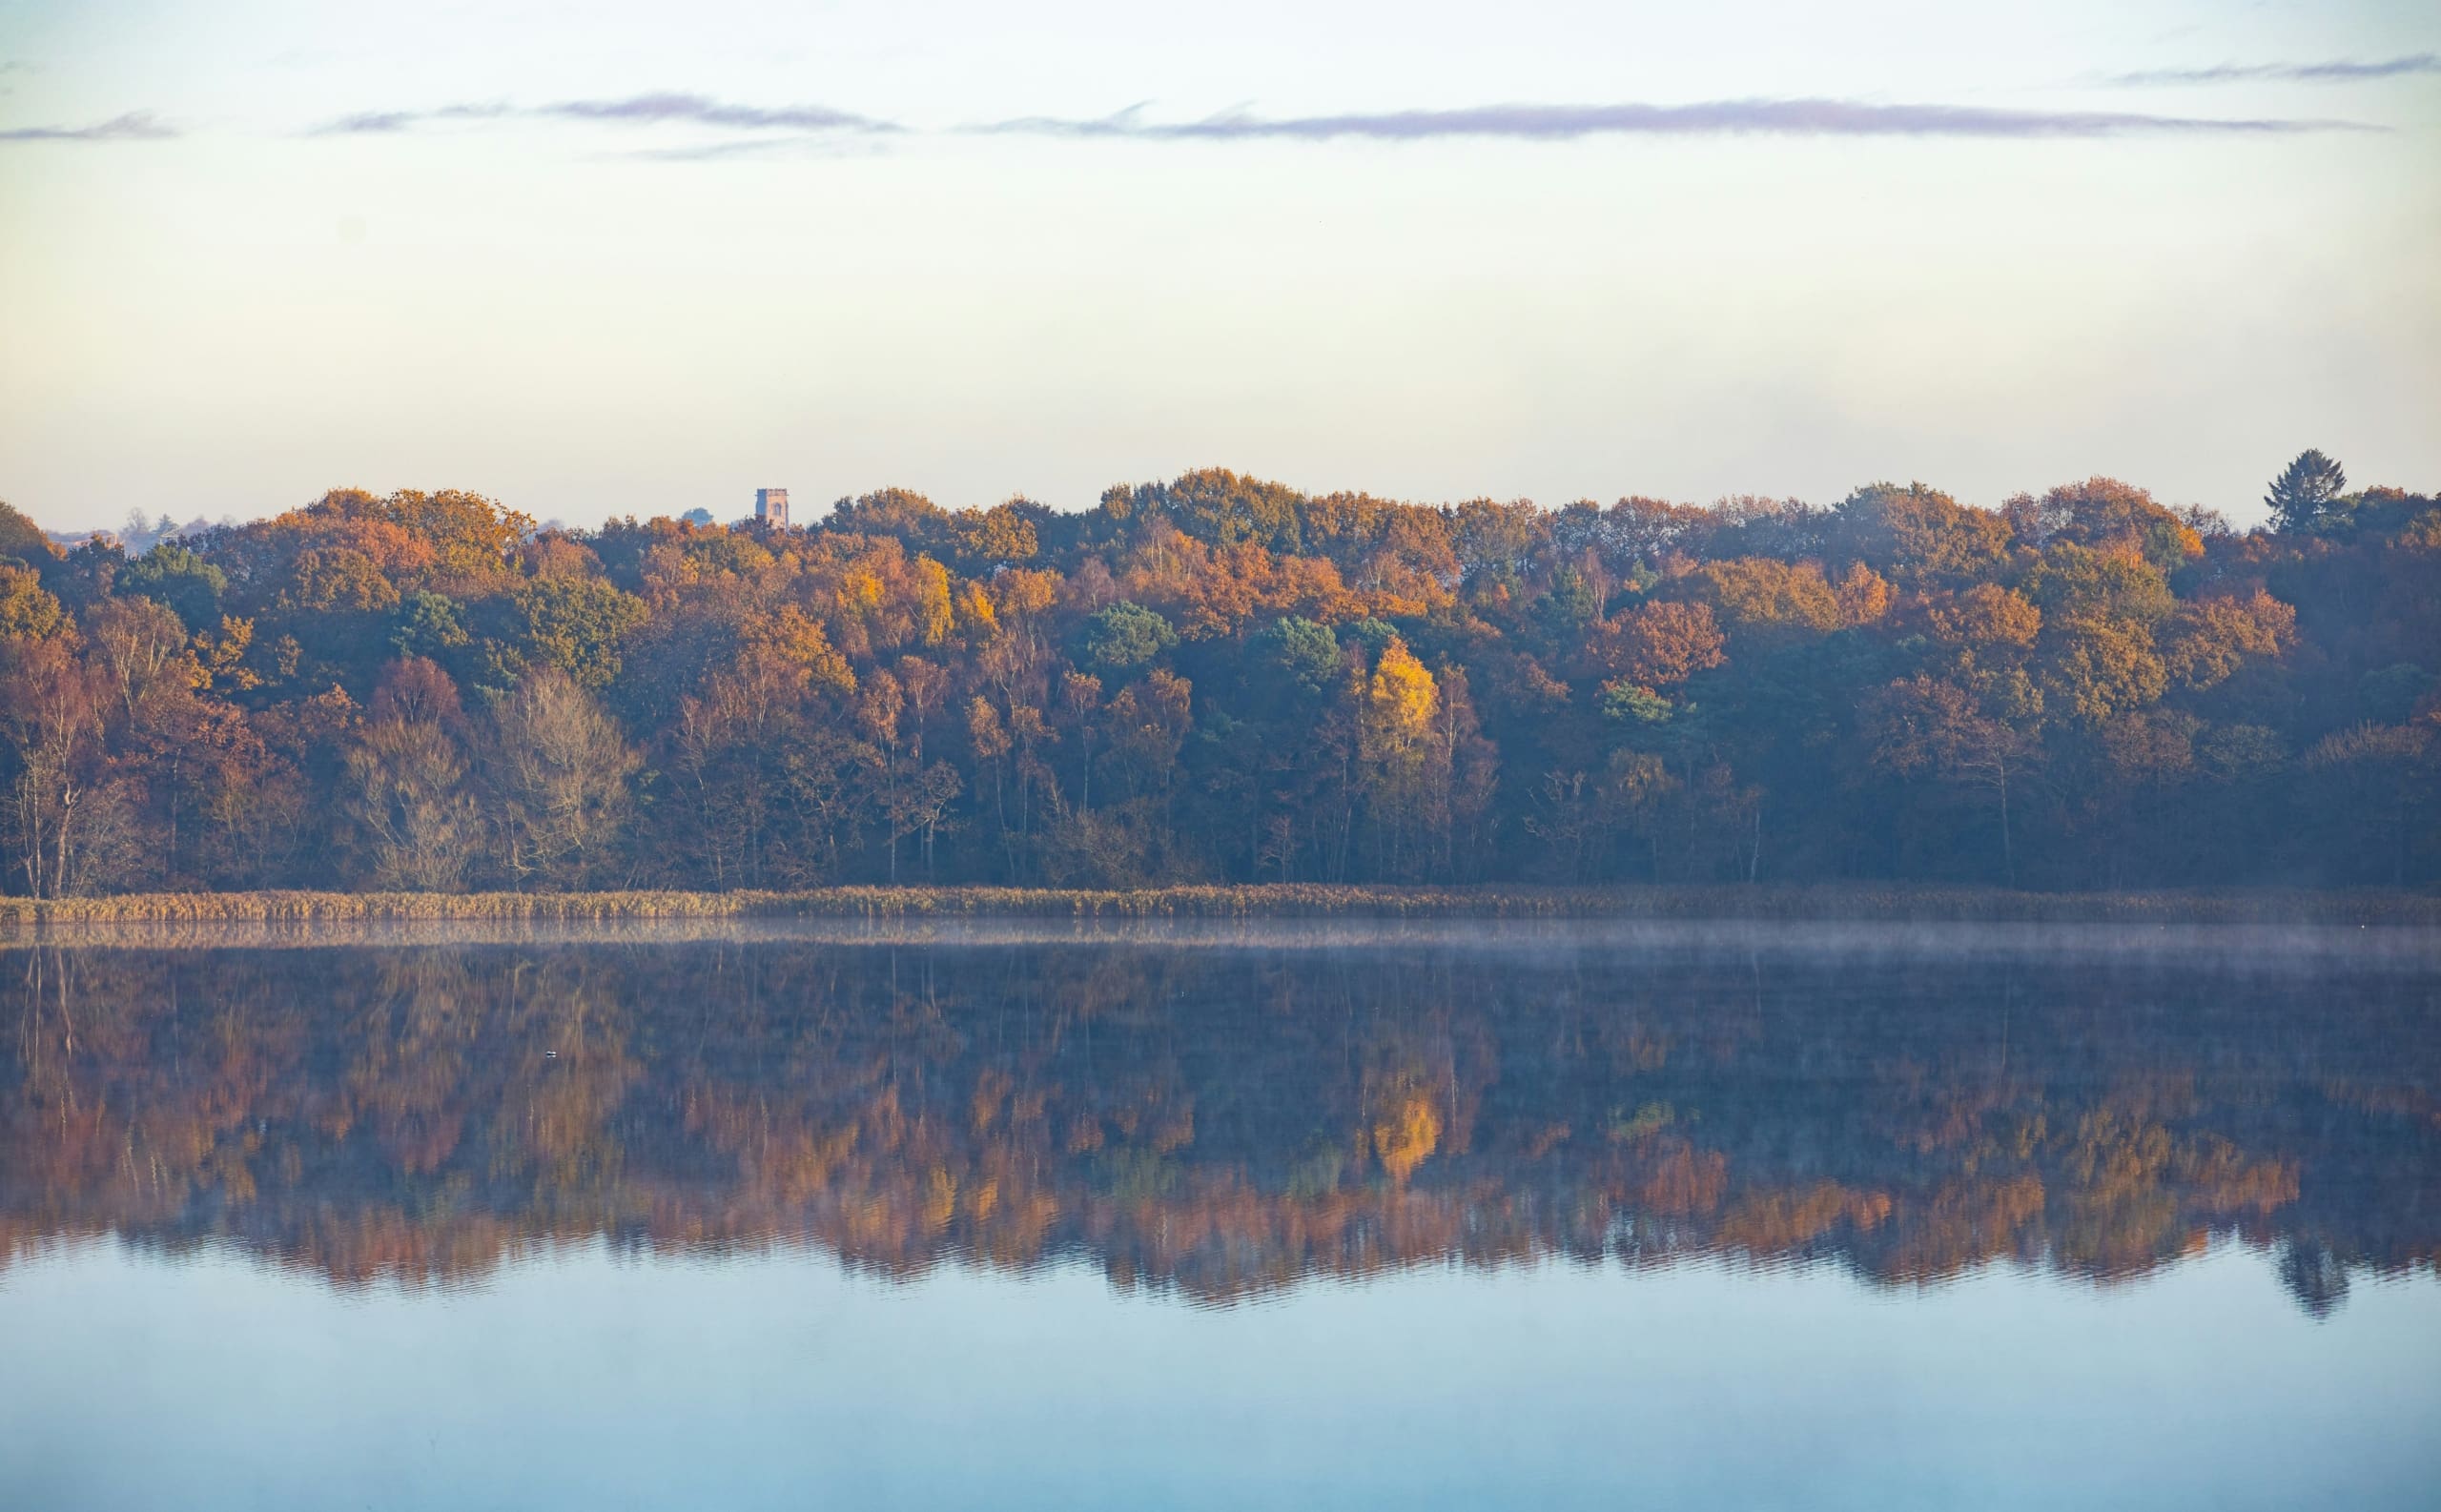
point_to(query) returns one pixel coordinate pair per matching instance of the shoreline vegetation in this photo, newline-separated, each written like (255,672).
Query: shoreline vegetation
(19,915)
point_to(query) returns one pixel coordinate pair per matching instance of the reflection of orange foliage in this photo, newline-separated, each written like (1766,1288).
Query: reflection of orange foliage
(1409,1133)
(1965,1221)
(1683,1181)
(940,1200)
(1768,1222)
(2402,1102)
(458,1108)
(2221,1179)
(800,1167)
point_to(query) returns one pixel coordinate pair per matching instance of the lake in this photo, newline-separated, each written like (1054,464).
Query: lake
(1223,1216)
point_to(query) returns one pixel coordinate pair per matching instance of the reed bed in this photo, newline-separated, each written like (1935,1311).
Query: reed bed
(1292,900)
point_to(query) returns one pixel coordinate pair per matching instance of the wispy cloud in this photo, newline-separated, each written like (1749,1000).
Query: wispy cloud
(376,123)
(642,110)
(699,110)
(136,126)
(2337,72)
(817,146)
(1710,118)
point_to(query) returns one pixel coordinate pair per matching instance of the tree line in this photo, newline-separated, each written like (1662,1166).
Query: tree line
(1220,679)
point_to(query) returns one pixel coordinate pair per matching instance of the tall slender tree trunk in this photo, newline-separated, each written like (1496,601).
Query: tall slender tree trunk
(67,816)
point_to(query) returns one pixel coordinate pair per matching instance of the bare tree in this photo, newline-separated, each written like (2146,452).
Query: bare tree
(51,720)
(415,821)
(558,773)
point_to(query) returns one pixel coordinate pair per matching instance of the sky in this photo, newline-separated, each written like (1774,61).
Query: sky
(608,259)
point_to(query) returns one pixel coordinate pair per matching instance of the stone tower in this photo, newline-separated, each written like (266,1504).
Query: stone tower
(771,507)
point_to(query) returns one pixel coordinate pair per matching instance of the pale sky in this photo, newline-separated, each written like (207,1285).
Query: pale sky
(599,259)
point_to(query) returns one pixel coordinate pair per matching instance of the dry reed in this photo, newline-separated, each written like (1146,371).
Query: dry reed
(1293,900)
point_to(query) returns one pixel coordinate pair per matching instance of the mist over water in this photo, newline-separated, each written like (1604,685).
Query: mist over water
(1429,1213)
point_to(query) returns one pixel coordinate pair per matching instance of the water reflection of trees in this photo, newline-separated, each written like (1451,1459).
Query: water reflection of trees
(1217,1122)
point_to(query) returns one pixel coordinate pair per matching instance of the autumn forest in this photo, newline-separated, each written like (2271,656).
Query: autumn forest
(1221,680)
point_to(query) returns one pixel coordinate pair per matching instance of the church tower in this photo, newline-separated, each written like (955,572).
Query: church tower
(771,507)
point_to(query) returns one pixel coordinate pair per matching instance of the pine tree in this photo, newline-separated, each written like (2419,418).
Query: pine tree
(2305,491)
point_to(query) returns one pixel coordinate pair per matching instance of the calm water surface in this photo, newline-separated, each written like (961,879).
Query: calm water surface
(1335,1215)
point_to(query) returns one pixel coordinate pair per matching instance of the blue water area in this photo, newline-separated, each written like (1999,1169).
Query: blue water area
(1402,1218)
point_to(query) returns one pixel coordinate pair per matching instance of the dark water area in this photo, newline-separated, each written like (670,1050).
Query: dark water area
(1337,1215)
